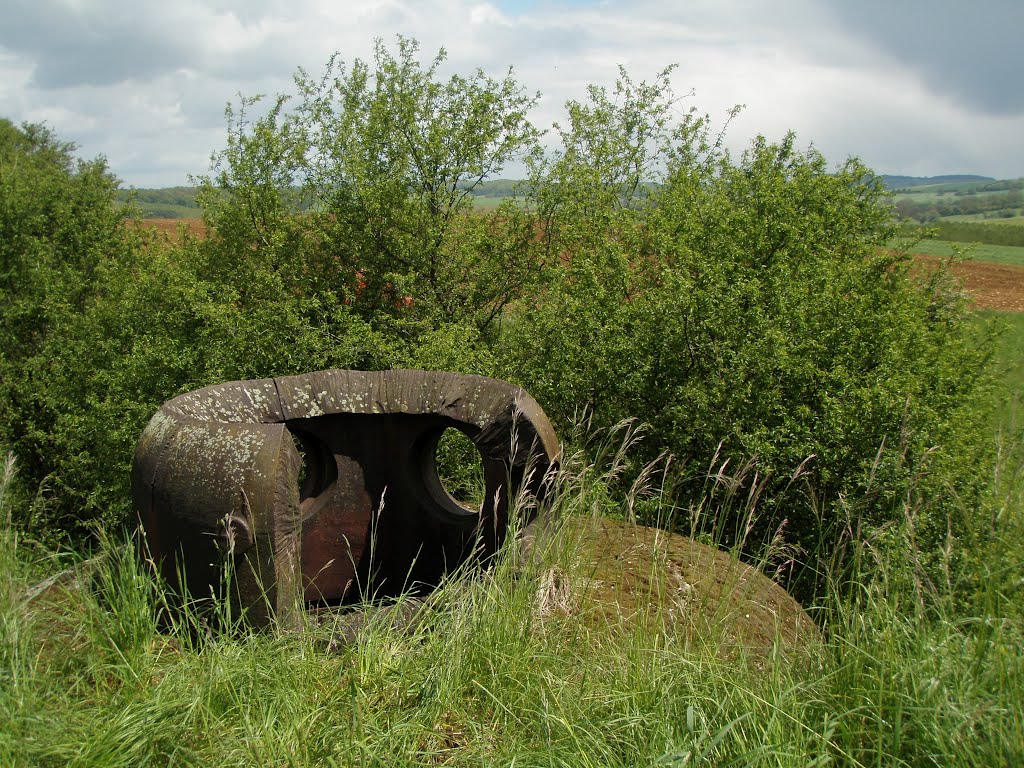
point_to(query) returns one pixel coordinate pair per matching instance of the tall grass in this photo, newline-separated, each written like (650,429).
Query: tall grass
(500,669)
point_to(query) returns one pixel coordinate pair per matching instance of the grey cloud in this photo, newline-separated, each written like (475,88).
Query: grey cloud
(91,45)
(100,43)
(969,52)
(146,84)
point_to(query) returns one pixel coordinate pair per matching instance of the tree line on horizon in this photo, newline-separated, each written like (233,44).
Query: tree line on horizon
(182,201)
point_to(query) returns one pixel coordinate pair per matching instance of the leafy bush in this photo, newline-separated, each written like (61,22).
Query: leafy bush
(61,233)
(745,308)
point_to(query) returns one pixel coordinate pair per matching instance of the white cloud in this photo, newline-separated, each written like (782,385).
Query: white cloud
(146,84)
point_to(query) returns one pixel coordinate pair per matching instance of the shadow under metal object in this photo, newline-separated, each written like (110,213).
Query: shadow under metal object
(324,488)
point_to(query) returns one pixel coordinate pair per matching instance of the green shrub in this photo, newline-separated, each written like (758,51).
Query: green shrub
(745,308)
(381,161)
(61,232)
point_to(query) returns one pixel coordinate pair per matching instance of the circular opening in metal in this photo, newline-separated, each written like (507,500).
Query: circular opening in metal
(318,469)
(460,469)
(452,473)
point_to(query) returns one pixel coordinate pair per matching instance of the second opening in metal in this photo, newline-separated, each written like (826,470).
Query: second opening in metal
(460,469)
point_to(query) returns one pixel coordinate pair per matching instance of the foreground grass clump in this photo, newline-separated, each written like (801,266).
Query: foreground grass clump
(509,667)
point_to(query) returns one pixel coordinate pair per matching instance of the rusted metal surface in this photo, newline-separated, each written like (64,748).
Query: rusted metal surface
(323,487)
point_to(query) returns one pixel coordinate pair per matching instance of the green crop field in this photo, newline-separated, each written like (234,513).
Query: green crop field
(482,203)
(927,194)
(962,200)
(168,211)
(997,254)
(986,219)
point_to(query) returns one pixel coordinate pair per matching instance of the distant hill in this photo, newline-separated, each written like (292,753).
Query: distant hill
(902,182)
(165,203)
(963,198)
(180,202)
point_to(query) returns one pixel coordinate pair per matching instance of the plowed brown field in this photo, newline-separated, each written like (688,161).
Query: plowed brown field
(993,286)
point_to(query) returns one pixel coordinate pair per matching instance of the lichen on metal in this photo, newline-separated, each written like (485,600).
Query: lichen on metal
(323,487)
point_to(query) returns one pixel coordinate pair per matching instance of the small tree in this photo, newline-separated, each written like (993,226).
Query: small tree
(383,164)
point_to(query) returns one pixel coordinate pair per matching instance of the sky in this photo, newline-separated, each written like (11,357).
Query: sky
(915,87)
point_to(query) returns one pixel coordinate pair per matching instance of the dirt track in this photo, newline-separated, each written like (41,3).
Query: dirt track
(994,286)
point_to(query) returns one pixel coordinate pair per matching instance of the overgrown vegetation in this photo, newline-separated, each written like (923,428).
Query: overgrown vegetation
(500,670)
(737,305)
(745,308)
